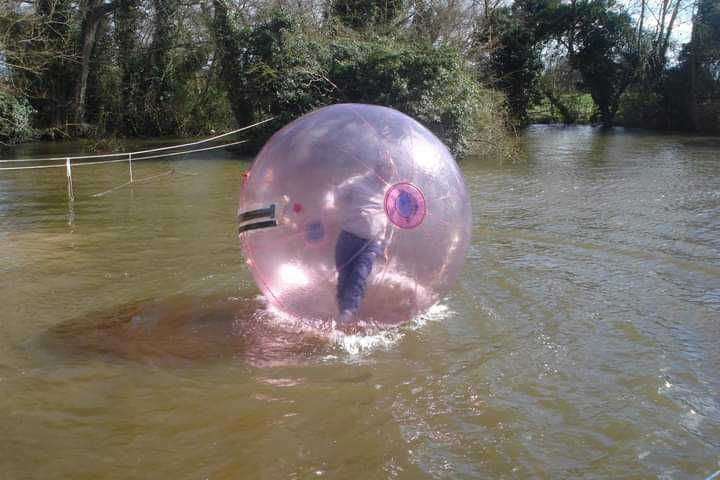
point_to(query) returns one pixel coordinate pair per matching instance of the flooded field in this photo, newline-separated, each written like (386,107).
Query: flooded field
(580,342)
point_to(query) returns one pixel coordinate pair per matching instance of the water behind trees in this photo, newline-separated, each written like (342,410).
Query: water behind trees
(581,339)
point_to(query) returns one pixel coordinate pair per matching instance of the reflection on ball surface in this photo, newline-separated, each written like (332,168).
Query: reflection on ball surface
(354,208)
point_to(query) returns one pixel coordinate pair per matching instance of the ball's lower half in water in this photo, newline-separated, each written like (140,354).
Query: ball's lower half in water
(354,208)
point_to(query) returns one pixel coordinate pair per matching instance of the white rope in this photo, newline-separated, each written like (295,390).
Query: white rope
(186,152)
(37,166)
(140,180)
(163,155)
(108,155)
(713,476)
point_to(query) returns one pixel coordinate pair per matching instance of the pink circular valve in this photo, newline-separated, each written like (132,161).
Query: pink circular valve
(405,205)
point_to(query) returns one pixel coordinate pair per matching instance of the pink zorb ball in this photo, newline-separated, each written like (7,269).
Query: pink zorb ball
(354,207)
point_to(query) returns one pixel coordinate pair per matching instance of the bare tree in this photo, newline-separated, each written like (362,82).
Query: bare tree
(656,22)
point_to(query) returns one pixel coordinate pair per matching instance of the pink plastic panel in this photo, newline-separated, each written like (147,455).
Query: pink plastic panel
(411,189)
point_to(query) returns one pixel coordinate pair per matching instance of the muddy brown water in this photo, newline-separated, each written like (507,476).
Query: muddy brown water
(581,340)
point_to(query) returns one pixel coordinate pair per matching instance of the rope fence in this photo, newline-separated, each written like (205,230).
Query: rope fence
(139,152)
(129,157)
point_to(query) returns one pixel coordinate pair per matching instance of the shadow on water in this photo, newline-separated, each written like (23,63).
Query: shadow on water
(183,328)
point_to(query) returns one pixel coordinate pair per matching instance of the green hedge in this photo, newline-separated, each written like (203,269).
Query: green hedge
(286,71)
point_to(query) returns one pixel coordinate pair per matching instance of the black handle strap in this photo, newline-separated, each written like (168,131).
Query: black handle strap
(267,215)
(258,213)
(254,226)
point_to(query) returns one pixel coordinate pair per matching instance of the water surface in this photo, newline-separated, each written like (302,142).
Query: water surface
(581,339)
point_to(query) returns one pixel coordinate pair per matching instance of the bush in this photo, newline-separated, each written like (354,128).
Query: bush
(285,71)
(15,119)
(644,109)
(428,83)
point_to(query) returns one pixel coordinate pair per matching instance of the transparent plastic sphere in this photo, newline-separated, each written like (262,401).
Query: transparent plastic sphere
(348,172)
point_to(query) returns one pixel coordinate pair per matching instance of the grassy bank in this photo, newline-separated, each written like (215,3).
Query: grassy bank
(580,106)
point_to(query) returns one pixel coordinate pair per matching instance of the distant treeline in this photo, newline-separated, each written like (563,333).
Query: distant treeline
(469,70)
(556,54)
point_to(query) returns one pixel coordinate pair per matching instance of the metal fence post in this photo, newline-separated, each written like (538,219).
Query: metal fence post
(68,171)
